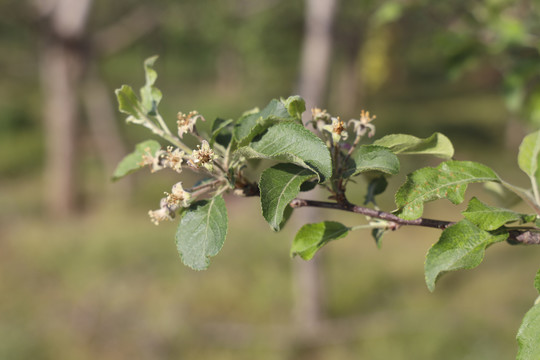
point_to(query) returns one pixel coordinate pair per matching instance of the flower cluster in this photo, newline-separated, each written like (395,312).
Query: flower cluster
(170,158)
(173,158)
(324,122)
(169,204)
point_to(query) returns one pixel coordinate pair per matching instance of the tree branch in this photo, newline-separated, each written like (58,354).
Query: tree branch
(438,224)
(515,237)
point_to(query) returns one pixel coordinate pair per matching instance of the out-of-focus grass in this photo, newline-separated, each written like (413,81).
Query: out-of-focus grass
(110,285)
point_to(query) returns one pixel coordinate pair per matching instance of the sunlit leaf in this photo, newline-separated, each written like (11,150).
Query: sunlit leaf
(128,102)
(311,237)
(449,181)
(133,161)
(528,157)
(461,246)
(295,106)
(253,124)
(369,158)
(291,142)
(150,95)
(436,145)
(491,218)
(279,185)
(201,232)
(528,335)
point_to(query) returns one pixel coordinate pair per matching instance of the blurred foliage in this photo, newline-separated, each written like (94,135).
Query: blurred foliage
(108,284)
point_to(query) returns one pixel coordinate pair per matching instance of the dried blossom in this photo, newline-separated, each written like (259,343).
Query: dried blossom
(186,122)
(203,156)
(178,198)
(152,160)
(162,214)
(364,125)
(173,159)
(320,118)
(319,114)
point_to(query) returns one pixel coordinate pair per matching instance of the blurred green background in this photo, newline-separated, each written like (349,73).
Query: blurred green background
(96,279)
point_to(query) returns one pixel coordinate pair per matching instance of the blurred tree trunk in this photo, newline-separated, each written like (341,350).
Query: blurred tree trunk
(316,51)
(349,86)
(314,69)
(100,112)
(62,63)
(97,98)
(65,56)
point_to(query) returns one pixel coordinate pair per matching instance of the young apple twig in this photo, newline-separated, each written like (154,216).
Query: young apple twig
(524,237)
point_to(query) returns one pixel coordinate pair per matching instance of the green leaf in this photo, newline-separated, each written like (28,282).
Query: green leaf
(528,157)
(286,216)
(461,246)
(448,180)
(221,132)
(311,237)
(528,335)
(150,95)
(279,185)
(295,106)
(491,218)
(128,102)
(377,234)
(291,142)
(201,232)
(371,157)
(376,186)
(253,124)
(537,281)
(308,185)
(436,145)
(133,161)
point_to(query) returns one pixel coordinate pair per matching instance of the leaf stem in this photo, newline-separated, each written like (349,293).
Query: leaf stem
(534,184)
(165,133)
(524,194)
(369,226)
(163,125)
